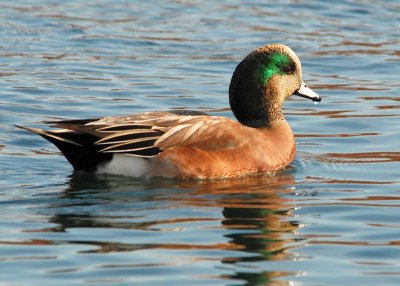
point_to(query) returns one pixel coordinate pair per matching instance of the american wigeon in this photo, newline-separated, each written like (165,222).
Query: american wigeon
(188,144)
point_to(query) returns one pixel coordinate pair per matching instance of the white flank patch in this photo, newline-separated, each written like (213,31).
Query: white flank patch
(127,166)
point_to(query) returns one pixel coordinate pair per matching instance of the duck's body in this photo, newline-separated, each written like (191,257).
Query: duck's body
(194,144)
(237,151)
(249,151)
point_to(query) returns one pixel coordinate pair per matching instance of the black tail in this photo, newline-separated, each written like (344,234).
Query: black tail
(77,147)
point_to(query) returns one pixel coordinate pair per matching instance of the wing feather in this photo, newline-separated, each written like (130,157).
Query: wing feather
(209,133)
(124,127)
(148,134)
(119,137)
(130,146)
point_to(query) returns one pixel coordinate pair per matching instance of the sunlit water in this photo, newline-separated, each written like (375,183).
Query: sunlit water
(331,218)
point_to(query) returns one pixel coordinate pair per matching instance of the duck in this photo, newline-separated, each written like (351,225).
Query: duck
(192,144)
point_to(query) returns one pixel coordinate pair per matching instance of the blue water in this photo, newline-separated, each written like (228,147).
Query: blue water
(331,218)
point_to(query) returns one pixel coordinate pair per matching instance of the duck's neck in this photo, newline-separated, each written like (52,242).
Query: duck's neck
(264,115)
(273,109)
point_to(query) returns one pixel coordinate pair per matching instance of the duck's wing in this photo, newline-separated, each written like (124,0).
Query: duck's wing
(131,134)
(148,135)
(208,133)
(76,139)
(90,142)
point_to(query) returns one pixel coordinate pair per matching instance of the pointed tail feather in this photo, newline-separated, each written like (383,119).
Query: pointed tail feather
(77,147)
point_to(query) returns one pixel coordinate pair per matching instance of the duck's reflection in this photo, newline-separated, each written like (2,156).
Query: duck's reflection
(257,220)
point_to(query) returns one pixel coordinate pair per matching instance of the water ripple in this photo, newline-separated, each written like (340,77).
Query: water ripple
(334,210)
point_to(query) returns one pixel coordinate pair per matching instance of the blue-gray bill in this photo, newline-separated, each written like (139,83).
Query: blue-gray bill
(306,92)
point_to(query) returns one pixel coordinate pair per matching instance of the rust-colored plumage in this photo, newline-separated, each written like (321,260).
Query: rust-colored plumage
(193,144)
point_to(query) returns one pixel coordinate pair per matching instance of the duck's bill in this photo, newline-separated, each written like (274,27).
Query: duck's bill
(306,92)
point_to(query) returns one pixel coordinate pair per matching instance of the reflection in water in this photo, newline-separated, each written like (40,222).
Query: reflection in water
(256,223)
(269,242)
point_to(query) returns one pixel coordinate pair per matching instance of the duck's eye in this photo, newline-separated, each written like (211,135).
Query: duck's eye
(289,68)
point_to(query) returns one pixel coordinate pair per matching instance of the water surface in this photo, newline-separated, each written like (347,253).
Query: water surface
(331,218)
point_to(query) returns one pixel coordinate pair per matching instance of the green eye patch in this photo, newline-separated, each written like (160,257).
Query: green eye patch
(277,63)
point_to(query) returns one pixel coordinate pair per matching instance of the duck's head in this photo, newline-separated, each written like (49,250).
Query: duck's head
(262,82)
